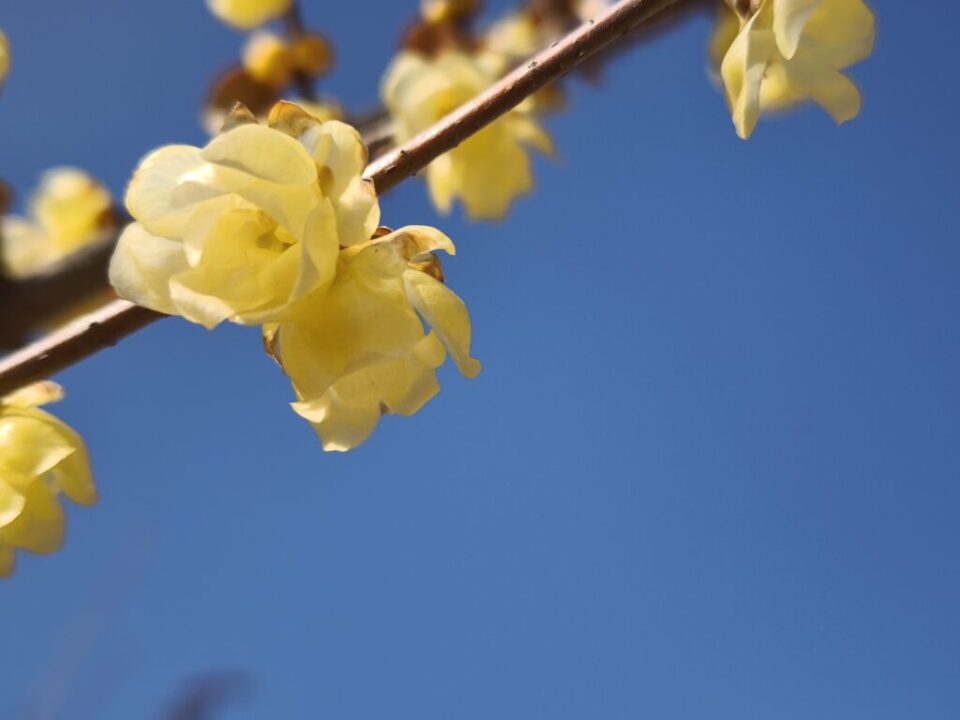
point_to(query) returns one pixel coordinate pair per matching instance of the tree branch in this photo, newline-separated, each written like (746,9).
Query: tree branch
(105,327)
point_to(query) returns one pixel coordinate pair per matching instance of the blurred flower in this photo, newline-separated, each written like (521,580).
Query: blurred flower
(243,228)
(272,60)
(489,169)
(248,14)
(4,57)
(67,212)
(312,55)
(267,58)
(360,349)
(445,11)
(790,51)
(40,458)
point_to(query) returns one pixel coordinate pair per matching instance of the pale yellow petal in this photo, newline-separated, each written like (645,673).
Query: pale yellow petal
(142,267)
(12,502)
(34,395)
(789,20)
(30,444)
(446,314)
(41,525)
(841,32)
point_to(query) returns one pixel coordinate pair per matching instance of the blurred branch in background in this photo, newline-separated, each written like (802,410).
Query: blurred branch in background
(39,300)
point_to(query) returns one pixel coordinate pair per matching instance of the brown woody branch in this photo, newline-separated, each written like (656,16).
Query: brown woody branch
(120,318)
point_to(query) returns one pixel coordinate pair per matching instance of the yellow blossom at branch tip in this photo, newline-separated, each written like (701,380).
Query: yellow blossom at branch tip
(248,14)
(487,170)
(246,227)
(67,212)
(4,57)
(360,349)
(40,458)
(791,51)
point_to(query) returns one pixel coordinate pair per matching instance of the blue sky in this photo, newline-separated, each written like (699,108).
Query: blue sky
(710,469)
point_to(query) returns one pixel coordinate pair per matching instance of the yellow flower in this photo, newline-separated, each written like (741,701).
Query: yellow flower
(40,458)
(444,11)
(4,57)
(248,14)
(69,211)
(790,51)
(245,227)
(360,349)
(268,58)
(312,55)
(488,170)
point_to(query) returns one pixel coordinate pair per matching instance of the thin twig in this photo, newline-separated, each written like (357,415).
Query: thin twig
(120,318)
(554,62)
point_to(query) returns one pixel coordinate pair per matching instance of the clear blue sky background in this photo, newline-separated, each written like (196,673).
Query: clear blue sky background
(710,469)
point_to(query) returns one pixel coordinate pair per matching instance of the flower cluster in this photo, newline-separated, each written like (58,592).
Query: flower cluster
(275,225)
(68,212)
(780,53)
(40,458)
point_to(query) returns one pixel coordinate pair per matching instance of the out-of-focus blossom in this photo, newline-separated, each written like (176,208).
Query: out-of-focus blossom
(444,11)
(360,350)
(489,169)
(4,57)
(267,58)
(272,60)
(40,458)
(312,54)
(791,51)
(244,228)
(67,212)
(248,14)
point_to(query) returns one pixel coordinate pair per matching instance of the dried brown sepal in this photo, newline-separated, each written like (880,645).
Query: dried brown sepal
(290,118)
(233,86)
(239,115)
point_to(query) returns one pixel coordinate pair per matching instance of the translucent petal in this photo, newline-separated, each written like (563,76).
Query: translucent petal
(41,525)
(143,265)
(12,502)
(446,314)
(789,20)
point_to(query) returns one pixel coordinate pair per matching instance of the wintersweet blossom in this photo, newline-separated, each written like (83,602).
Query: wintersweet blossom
(4,57)
(248,14)
(489,169)
(267,57)
(790,51)
(40,458)
(244,228)
(67,212)
(360,349)
(272,60)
